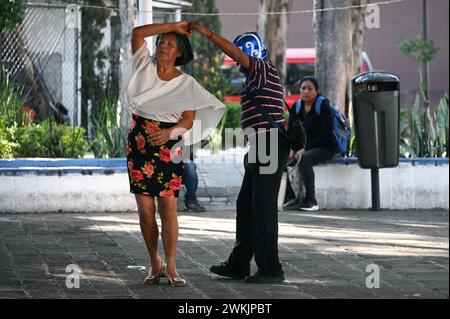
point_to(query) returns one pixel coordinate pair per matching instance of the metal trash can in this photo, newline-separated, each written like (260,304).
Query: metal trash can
(376,111)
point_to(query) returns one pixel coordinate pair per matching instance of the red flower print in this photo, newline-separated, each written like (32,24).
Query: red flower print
(150,127)
(128,150)
(167,193)
(165,155)
(133,125)
(130,165)
(148,170)
(140,141)
(175,183)
(136,175)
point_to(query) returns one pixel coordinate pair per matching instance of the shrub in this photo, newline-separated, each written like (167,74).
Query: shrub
(415,137)
(50,139)
(108,140)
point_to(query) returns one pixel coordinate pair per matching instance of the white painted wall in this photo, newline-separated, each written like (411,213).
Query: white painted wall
(338,186)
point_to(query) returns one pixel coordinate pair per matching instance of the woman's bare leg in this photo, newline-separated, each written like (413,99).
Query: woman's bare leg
(167,208)
(149,228)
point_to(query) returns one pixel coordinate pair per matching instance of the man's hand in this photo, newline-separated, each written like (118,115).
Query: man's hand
(299,154)
(200,27)
(295,156)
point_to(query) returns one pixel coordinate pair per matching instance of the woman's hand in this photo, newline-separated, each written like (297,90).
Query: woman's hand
(183,27)
(200,27)
(160,137)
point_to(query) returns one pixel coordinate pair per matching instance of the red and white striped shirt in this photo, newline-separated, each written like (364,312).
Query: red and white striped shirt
(262,89)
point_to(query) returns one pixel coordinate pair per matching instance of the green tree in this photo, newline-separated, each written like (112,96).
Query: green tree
(206,67)
(422,51)
(11,14)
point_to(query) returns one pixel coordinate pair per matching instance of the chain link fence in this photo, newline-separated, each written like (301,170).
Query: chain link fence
(42,57)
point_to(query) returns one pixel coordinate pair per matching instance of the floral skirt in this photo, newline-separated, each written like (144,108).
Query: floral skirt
(152,170)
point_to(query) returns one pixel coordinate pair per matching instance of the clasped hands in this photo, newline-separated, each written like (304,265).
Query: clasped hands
(188,27)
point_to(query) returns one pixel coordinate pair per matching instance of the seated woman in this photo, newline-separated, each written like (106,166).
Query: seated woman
(320,144)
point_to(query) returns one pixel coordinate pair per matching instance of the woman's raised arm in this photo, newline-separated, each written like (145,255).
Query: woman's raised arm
(141,32)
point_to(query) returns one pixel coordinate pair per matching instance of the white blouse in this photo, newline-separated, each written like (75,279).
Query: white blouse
(148,96)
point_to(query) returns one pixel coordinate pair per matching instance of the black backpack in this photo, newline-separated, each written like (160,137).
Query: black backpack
(295,133)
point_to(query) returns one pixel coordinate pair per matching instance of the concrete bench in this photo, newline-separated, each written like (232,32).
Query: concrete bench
(98,185)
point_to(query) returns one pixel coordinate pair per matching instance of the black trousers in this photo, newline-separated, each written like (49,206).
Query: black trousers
(257,215)
(309,159)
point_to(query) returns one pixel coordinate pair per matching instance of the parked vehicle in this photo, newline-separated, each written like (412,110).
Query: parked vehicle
(300,63)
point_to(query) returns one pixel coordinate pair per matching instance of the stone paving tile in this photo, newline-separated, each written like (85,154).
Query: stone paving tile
(324,255)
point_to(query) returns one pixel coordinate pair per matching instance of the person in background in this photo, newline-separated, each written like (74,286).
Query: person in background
(319,141)
(191,183)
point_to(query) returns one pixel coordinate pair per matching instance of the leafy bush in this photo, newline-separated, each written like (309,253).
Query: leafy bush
(108,140)
(8,145)
(10,102)
(232,116)
(415,137)
(50,139)
(47,139)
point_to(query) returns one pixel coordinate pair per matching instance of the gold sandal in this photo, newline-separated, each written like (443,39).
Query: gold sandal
(152,280)
(175,281)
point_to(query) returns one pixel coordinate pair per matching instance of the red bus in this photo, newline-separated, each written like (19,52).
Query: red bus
(300,63)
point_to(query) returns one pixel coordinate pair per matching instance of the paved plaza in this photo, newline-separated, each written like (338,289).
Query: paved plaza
(325,254)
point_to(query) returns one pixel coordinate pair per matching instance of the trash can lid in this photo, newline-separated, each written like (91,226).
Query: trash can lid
(375,77)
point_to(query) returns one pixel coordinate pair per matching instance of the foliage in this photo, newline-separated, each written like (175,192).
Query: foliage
(10,102)
(11,13)
(97,84)
(232,118)
(50,139)
(8,145)
(108,140)
(415,138)
(418,49)
(208,58)
(19,138)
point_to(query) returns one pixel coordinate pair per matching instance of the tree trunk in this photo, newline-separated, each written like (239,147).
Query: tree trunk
(129,18)
(273,30)
(358,22)
(333,37)
(358,25)
(339,36)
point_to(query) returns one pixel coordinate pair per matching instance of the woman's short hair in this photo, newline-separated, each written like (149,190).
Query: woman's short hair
(184,45)
(311,79)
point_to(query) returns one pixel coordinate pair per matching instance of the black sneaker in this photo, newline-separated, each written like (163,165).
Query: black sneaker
(194,205)
(225,270)
(293,204)
(309,205)
(257,278)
